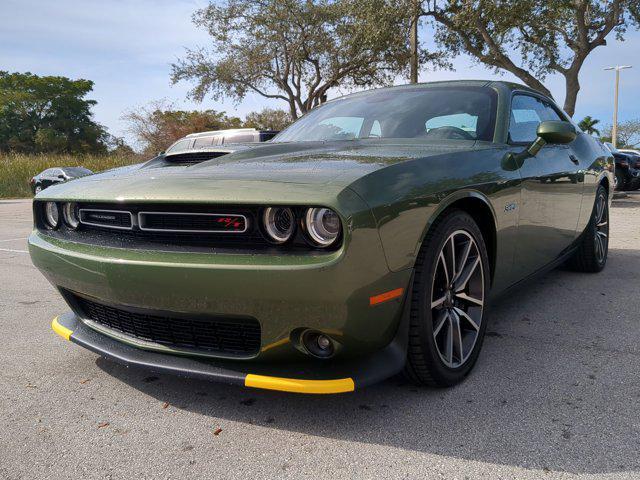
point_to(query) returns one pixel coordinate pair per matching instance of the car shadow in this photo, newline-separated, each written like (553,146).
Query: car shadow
(555,389)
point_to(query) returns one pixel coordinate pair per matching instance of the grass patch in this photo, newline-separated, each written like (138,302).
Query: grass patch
(17,169)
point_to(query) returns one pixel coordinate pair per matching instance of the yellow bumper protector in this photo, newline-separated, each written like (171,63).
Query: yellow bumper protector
(64,332)
(295,385)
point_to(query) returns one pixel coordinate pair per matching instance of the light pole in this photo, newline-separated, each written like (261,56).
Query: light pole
(614,130)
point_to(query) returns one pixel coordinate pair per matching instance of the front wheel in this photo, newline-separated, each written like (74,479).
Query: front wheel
(450,286)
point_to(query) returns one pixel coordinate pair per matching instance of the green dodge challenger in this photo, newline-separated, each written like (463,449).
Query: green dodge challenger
(365,240)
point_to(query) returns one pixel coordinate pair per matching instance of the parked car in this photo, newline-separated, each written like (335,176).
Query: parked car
(216,138)
(630,151)
(364,240)
(627,169)
(52,176)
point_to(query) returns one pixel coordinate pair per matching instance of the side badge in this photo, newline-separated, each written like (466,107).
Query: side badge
(510,207)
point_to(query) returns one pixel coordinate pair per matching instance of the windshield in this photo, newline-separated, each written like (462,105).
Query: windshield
(77,171)
(433,113)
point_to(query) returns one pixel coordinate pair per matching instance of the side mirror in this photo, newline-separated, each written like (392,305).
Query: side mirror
(552,131)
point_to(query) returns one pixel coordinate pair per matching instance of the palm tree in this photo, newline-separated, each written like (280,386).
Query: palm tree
(588,125)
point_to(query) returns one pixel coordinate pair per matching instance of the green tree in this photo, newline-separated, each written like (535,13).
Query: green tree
(588,125)
(295,50)
(47,114)
(531,38)
(159,124)
(268,119)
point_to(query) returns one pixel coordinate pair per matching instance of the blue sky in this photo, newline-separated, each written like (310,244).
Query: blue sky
(126,48)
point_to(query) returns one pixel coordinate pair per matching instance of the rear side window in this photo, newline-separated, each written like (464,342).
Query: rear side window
(240,138)
(526,114)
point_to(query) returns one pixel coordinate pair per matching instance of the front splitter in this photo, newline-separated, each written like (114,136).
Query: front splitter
(313,378)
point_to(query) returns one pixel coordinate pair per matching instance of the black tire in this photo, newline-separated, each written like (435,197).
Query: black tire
(592,253)
(620,181)
(426,364)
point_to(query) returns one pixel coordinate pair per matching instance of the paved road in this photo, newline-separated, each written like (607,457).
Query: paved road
(556,394)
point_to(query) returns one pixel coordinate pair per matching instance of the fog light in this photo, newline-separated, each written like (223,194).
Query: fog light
(318,344)
(323,342)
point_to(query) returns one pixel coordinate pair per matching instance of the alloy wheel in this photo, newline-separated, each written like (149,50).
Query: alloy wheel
(602,229)
(457,298)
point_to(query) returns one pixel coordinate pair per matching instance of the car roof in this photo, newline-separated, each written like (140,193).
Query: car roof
(502,85)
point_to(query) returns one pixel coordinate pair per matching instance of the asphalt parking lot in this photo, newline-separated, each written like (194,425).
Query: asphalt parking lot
(556,394)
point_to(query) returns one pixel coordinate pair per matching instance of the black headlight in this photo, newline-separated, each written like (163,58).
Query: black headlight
(322,225)
(70,214)
(279,223)
(52,214)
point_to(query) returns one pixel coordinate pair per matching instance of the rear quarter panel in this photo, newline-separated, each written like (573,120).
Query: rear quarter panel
(597,164)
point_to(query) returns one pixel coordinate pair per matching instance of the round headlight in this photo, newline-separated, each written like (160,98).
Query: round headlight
(323,226)
(279,222)
(70,214)
(52,214)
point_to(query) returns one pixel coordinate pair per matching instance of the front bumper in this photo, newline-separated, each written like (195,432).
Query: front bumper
(330,293)
(322,378)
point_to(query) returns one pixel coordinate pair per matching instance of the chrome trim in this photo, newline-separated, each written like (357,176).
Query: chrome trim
(145,229)
(105,211)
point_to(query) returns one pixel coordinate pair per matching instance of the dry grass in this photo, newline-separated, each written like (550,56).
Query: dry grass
(16,169)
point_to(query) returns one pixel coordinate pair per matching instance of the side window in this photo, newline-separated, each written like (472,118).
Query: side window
(376,130)
(181,145)
(202,142)
(526,114)
(339,128)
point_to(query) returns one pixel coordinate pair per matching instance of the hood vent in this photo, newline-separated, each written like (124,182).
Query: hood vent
(192,158)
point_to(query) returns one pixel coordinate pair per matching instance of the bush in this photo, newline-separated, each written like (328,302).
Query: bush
(17,169)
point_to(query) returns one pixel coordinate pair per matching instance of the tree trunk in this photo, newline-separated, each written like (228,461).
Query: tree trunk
(413,40)
(292,110)
(572,87)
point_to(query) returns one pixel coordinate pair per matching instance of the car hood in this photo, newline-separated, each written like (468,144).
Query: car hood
(267,171)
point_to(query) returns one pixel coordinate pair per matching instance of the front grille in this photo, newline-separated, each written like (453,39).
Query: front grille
(193,158)
(192,222)
(212,336)
(179,228)
(106,218)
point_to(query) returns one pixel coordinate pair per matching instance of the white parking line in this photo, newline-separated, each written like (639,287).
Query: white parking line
(12,251)
(13,239)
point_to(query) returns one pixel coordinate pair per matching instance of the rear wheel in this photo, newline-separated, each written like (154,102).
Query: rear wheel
(448,302)
(592,253)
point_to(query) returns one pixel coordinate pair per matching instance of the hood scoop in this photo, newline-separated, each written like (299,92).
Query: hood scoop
(191,158)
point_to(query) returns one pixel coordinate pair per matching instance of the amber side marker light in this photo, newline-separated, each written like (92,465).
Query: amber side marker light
(386,296)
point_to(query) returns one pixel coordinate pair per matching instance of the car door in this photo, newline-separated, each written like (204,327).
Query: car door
(552,188)
(55,176)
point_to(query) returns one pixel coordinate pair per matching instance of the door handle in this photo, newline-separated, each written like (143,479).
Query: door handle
(574,159)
